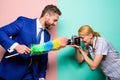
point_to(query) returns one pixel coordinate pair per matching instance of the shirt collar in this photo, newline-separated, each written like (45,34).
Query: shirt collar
(38,24)
(90,47)
(94,42)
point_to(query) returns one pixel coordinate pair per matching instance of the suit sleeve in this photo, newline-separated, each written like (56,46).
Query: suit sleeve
(10,30)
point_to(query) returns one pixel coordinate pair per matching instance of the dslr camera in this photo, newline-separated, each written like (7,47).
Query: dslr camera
(74,40)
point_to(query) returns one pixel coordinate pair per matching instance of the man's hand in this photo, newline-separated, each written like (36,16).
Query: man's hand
(22,49)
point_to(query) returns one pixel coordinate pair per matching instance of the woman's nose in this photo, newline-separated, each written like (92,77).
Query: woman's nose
(81,39)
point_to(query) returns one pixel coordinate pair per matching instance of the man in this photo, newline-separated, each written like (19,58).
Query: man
(17,37)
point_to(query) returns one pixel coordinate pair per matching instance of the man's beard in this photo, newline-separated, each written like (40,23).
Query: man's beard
(47,26)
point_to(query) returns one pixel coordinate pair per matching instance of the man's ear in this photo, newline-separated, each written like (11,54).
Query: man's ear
(47,15)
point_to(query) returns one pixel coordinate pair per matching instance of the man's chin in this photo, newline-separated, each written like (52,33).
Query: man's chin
(47,27)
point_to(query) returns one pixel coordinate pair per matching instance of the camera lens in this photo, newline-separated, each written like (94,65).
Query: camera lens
(74,40)
(77,41)
(69,42)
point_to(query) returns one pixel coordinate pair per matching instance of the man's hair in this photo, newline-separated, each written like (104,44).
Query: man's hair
(51,9)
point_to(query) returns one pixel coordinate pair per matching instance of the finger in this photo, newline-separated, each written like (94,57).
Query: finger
(28,50)
(22,52)
(26,53)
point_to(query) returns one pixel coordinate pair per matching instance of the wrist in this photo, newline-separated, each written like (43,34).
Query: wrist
(41,78)
(12,48)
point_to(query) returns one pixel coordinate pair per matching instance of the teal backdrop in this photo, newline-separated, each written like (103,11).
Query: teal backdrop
(103,16)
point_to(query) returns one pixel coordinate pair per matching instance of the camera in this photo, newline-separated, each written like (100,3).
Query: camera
(74,40)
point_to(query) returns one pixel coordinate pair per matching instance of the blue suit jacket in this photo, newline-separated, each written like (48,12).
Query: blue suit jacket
(23,31)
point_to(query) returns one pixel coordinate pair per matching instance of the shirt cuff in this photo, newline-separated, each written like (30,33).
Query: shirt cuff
(11,49)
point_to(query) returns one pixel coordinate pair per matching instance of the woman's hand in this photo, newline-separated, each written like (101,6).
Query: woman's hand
(75,46)
(79,56)
(78,47)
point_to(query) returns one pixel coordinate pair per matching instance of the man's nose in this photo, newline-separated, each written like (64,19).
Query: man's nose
(55,23)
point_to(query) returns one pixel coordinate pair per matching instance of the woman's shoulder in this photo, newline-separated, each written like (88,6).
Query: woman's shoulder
(102,40)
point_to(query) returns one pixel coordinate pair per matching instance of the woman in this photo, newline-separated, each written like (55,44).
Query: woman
(103,54)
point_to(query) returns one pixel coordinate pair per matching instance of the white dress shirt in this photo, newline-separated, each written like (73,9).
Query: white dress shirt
(38,29)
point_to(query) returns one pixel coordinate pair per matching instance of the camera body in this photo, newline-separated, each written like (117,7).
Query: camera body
(74,40)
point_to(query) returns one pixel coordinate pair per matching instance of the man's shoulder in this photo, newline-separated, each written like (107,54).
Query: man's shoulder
(25,18)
